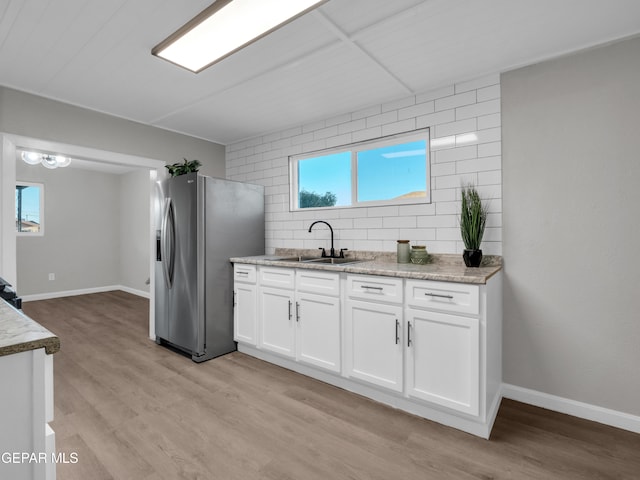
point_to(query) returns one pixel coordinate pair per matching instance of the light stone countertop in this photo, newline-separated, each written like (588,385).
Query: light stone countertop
(442,267)
(19,333)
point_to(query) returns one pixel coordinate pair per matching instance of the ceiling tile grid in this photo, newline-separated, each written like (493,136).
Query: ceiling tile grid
(344,56)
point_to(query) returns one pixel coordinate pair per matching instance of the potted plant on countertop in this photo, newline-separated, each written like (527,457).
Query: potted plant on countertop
(473,218)
(182,168)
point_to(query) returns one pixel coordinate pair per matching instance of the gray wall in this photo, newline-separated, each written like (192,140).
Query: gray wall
(96,231)
(37,117)
(134,230)
(81,241)
(571,178)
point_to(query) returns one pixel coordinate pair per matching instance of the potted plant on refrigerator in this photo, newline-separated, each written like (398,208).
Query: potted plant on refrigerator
(182,168)
(473,218)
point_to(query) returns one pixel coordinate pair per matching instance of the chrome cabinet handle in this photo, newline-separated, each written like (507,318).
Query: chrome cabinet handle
(290,315)
(397,331)
(409,334)
(242,273)
(437,295)
(368,287)
(297,312)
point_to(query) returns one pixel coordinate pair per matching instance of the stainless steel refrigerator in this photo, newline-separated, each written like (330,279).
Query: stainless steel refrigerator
(203,222)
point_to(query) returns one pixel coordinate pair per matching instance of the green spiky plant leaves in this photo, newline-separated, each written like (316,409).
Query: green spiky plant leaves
(181,168)
(473,217)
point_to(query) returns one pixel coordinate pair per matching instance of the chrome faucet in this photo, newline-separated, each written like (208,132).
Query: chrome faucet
(332,253)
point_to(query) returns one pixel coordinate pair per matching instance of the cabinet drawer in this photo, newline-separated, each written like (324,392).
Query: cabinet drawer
(314,281)
(444,296)
(244,273)
(372,287)
(277,277)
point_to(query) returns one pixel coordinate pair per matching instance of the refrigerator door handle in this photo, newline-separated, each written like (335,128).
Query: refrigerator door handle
(168,243)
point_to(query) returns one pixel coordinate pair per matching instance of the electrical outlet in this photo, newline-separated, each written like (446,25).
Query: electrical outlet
(52,276)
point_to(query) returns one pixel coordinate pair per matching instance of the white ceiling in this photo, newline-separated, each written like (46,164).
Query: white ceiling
(346,55)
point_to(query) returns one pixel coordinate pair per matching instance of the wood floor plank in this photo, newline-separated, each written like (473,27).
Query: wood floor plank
(132,409)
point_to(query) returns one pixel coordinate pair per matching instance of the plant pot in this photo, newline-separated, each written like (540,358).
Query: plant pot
(472,258)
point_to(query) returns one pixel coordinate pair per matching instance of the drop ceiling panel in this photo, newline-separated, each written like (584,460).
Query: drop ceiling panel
(355,15)
(347,55)
(451,40)
(140,86)
(332,81)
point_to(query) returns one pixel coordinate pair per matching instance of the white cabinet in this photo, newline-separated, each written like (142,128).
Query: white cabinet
(373,340)
(429,347)
(299,315)
(318,330)
(443,359)
(26,408)
(276,318)
(373,330)
(245,307)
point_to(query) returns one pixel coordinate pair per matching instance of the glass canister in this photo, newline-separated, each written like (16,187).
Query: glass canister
(419,254)
(403,251)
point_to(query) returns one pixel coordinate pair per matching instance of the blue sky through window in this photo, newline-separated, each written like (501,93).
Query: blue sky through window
(30,204)
(392,172)
(329,173)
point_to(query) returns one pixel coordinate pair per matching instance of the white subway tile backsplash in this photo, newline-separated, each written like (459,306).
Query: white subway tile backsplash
(367,134)
(488,93)
(453,128)
(382,119)
(455,154)
(489,121)
(399,222)
(478,164)
(352,126)
(416,110)
(399,127)
(490,149)
(477,109)
(451,112)
(454,101)
(368,222)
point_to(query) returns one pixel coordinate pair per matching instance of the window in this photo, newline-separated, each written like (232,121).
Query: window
(387,171)
(29,208)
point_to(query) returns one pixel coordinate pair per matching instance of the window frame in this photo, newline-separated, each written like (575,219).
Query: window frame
(40,232)
(380,142)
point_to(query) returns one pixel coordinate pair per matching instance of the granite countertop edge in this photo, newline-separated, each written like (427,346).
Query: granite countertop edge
(19,333)
(438,270)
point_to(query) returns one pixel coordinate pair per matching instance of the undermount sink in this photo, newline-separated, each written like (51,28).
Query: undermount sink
(323,260)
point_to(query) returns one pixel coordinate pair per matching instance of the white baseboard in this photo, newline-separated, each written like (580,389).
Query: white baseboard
(133,291)
(587,411)
(84,291)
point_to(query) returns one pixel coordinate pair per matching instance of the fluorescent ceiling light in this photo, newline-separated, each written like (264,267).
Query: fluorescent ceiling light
(227,26)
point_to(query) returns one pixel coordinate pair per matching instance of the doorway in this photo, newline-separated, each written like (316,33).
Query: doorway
(11,144)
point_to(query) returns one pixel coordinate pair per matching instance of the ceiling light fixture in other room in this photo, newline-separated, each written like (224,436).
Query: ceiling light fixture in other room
(47,160)
(226,27)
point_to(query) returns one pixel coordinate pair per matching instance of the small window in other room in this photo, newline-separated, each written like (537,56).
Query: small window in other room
(29,208)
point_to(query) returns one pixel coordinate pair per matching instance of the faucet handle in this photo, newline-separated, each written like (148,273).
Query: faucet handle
(342,250)
(324,253)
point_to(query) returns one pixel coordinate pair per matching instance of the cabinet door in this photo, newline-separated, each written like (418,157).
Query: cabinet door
(276,317)
(245,312)
(318,324)
(443,361)
(374,346)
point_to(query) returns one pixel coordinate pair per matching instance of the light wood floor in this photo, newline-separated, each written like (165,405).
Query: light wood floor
(133,410)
